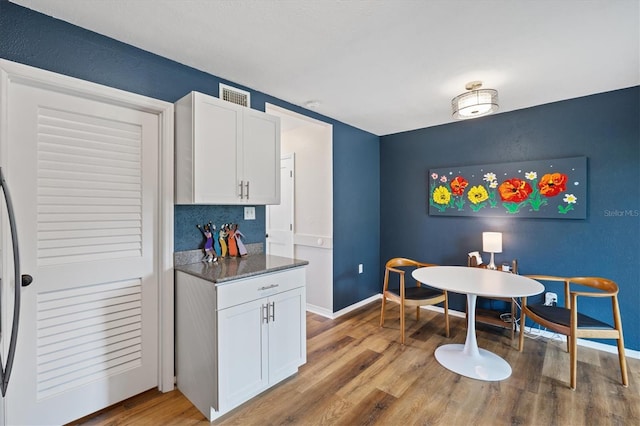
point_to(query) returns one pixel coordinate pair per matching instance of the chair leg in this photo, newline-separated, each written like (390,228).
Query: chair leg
(384,299)
(573,356)
(623,361)
(618,326)
(523,318)
(513,320)
(446,314)
(417,313)
(402,323)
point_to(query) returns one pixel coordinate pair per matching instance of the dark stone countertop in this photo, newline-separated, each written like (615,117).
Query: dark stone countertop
(235,268)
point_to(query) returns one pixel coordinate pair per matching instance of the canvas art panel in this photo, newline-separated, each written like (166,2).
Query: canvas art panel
(533,189)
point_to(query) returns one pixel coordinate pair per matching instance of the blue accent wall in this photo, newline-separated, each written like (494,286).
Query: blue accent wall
(356,216)
(603,127)
(41,41)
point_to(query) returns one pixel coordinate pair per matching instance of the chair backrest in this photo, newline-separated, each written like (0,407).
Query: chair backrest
(400,265)
(606,286)
(398,262)
(603,284)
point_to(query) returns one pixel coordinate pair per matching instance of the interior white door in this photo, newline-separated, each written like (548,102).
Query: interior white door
(280,217)
(84,174)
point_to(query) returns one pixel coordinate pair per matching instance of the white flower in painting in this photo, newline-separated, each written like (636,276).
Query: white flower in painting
(531,175)
(493,184)
(489,177)
(570,198)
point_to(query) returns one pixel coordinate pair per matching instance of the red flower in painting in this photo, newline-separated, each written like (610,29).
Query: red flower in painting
(515,190)
(458,184)
(552,184)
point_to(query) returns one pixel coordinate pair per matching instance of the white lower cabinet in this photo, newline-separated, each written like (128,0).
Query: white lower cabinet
(252,336)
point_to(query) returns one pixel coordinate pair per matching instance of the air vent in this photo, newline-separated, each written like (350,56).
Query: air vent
(235,96)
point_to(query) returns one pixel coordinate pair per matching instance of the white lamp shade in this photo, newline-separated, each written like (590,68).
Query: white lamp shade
(492,242)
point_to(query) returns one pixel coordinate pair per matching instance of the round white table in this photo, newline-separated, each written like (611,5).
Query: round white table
(469,360)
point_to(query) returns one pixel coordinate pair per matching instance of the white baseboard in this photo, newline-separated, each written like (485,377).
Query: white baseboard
(323,312)
(333,315)
(630,353)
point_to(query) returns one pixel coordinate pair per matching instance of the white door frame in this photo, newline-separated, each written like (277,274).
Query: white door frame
(12,71)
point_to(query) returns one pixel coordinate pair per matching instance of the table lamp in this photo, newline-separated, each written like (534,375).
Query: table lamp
(492,243)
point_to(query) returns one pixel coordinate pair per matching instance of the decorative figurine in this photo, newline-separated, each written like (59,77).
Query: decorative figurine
(242,250)
(233,244)
(209,252)
(223,240)
(216,242)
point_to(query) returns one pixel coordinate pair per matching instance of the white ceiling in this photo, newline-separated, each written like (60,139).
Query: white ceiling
(384,66)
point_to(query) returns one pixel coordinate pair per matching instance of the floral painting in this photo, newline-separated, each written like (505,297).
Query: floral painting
(542,189)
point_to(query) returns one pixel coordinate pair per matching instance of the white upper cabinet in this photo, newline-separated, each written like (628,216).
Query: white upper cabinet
(225,153)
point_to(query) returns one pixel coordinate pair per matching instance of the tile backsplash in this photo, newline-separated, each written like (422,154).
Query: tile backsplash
(188,237)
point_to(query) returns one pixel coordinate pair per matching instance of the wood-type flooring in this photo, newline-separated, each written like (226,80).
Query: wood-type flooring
(358,374)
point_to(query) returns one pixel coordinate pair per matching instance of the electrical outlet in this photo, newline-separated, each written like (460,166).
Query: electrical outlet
(550,299)
(249,213)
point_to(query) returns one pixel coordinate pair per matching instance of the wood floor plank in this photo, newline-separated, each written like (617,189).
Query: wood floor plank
(369,410)
(358,373)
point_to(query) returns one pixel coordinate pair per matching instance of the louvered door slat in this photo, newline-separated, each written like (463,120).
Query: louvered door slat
(74,360)
(75,379)
(54,350)
(96,331)
(88,317)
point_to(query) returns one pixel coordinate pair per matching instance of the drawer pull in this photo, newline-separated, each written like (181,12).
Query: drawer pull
(272,317)
(265,313)
(268,287)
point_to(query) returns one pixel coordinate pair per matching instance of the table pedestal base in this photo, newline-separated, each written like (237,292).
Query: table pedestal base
(483,365)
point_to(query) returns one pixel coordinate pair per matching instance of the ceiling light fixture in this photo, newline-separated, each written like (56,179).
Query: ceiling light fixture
(474,103)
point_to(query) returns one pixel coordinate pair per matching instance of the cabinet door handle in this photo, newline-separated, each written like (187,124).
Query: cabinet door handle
(268,287)
(247,185)
(265,313)
(241,194)
(273,311)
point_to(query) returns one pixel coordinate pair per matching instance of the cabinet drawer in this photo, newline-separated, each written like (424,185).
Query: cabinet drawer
(245,290)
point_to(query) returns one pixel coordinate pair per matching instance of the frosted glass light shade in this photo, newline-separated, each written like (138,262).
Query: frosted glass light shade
(475,103)
(492,242)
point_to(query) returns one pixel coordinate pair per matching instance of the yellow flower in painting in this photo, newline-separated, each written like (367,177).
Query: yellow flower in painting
(441,195)
(478,194)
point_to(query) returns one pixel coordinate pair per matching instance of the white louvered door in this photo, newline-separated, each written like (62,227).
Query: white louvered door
(84,179)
